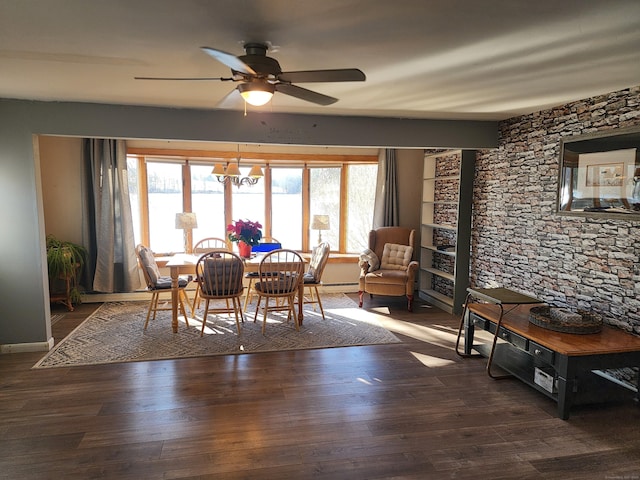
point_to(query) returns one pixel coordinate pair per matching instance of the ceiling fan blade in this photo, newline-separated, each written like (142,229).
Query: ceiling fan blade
(304,94)
(183,78)
(231,100)
(340,75)
(231,61)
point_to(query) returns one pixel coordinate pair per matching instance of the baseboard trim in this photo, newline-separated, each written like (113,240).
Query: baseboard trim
(27,347)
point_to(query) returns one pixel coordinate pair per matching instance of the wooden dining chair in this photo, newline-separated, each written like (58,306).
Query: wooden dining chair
(158,284)
(201,247)
(208,244)
(251,276)
(220,273)
(279,276)
(313,276)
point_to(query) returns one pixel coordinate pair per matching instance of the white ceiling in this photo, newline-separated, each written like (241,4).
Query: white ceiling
(455,59)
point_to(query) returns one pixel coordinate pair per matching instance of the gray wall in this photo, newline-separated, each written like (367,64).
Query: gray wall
(25,317)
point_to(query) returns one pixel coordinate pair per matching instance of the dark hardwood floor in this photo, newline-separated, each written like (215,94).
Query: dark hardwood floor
(413,410)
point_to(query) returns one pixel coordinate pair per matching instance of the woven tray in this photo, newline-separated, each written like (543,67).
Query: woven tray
(541,316)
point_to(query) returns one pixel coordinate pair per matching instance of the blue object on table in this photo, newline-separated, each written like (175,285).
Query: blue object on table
(266,247)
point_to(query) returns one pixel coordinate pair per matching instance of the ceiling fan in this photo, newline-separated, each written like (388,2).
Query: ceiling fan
(260,76)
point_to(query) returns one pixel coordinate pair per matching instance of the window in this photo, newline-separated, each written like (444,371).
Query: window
(286,206)
(324,199)
(247,202)
(164,187)
(360,205)
(207,202)
(284,201)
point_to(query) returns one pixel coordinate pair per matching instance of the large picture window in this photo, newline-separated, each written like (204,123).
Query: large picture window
(284,201)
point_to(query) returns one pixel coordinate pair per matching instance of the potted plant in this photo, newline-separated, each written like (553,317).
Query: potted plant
(246,234)
(64,261)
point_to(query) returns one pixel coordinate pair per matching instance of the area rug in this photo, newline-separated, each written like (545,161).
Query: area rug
(114,333)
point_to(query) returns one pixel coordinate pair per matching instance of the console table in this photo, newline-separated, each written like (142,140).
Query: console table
(568,363)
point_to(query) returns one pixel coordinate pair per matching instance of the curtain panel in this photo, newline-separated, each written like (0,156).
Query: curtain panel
(385,212)
(108,226)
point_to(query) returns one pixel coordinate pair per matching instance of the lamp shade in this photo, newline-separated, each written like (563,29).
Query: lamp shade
(320,222)
(233,170)
(186,220)
(218,169)
(256,172)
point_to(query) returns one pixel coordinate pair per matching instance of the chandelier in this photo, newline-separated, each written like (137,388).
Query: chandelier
(233,175)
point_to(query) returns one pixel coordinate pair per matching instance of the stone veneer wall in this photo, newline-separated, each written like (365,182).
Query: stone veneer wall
(518,240)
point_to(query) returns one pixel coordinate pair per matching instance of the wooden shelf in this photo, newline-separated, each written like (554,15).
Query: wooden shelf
(440,226)
(440,273)
(447,177)
(440,202)
(439,297)
(433,248)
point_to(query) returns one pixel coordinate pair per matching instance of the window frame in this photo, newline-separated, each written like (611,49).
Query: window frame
(267,161)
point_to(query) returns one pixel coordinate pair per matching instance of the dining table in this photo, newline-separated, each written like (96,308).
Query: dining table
(185,264)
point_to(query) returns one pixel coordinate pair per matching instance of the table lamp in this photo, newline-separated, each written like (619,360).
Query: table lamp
(320,222)
(186,221)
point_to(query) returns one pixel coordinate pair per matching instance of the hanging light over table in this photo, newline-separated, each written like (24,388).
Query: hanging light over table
(233,175)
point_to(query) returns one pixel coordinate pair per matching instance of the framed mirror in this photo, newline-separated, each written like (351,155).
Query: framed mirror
(600,174)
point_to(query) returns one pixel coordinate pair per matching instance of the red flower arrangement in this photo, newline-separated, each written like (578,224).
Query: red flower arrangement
(244,231)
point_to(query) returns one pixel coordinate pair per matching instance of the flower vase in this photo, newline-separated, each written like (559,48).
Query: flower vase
(244,249)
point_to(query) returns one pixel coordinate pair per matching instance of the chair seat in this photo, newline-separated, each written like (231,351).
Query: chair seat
(387,277)
(164,283)
(309,279)
(280,287)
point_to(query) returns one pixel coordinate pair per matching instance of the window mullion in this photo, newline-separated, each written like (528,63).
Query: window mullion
(186,200)
(143,193)
(268,203)
(306,202)
(344,204)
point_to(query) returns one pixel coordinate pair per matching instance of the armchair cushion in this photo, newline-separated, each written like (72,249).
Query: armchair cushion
(370,258)
(396,257)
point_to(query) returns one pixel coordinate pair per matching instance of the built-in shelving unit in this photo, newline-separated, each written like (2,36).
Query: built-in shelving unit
(447,192)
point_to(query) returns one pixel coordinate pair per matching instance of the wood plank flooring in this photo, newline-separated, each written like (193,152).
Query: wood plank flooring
(413,410)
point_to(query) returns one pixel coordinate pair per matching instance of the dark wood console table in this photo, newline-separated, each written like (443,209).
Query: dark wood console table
(567,360)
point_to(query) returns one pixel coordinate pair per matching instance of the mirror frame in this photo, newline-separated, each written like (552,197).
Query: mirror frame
(599,175)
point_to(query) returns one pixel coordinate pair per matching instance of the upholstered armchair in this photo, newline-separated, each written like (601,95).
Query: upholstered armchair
(386,266)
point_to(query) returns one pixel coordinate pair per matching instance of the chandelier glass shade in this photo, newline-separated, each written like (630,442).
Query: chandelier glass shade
(256,93)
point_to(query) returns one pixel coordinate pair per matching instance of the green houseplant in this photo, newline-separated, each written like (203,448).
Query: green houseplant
(64,261)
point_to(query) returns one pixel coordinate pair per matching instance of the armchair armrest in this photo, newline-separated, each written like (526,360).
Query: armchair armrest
(412,269)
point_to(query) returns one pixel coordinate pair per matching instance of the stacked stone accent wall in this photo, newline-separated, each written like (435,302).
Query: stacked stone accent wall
(518,240)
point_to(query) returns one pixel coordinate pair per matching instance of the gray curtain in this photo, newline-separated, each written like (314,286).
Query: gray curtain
(108,225)
(385,212)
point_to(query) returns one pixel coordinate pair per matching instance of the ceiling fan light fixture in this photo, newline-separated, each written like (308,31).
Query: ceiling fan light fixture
(256,93)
